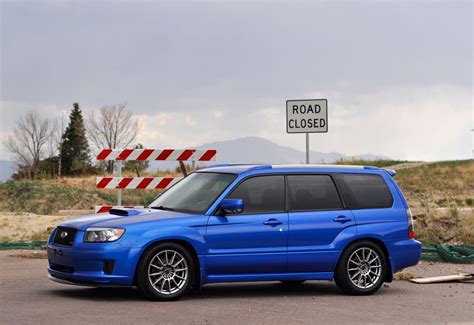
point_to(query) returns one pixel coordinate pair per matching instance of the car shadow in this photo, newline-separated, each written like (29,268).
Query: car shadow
(97,294)
(216,291)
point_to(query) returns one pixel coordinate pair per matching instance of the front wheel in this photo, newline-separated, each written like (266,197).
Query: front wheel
(165,272)
(361,269)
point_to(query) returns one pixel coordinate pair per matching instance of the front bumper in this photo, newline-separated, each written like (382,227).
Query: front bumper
(92,264)
(82,284)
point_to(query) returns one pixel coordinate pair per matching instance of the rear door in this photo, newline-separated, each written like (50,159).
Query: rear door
(316,217)
(253,241)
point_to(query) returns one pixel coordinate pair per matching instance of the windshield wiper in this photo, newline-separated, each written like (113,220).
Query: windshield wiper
(163,208)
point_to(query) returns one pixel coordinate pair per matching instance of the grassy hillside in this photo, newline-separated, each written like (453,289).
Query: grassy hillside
(441,184)
(431,185)
(444,184)
(50,196)
(440,194)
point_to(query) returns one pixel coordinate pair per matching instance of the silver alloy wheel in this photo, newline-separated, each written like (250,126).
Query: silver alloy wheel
(168,272)
(364,267)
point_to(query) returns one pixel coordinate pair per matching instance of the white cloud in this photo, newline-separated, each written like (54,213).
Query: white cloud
(217,114)
(417,123)
(425,123)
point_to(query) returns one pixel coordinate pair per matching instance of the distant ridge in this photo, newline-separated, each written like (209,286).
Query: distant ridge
(7,169)
(258,150)
(246,150)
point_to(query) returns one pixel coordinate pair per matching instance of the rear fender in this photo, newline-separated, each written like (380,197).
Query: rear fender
(381,234)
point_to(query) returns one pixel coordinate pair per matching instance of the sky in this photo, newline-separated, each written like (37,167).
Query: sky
(397,74)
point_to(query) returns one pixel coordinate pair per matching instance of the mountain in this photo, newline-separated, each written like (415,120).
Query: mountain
(258,150)
(7,169)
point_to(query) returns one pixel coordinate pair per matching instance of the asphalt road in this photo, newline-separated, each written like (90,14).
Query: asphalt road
(26,296)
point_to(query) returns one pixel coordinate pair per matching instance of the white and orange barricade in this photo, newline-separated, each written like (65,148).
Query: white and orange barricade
(119,183)
(157,154)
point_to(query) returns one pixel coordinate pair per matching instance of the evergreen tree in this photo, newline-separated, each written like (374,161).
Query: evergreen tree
(75,158)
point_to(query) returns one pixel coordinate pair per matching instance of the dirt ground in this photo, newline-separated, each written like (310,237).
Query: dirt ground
(27,226)
(28,297)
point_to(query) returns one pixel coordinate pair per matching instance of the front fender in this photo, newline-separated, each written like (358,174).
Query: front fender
(190,235)
(139,241)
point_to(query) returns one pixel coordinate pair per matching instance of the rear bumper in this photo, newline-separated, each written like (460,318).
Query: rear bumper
(404,253)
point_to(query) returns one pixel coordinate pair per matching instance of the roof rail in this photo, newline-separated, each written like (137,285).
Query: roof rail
(257,167)
(251,166)
(218,165)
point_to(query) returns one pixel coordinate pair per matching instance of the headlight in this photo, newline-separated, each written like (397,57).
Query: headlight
(102,235)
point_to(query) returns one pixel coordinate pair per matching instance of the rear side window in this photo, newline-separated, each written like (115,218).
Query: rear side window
(312,192)
(368,191)
(262,194)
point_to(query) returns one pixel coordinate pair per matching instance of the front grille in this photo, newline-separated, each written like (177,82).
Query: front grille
(64,236)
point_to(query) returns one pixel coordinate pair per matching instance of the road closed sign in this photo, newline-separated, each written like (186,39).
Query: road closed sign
(307,116)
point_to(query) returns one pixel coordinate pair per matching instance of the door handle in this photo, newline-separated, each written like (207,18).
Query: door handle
(272,222)
(342,219)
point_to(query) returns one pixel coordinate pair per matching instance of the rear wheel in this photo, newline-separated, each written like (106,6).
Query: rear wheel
(361,269)
(165,272)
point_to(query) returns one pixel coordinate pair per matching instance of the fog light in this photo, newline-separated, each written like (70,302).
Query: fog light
(109,267)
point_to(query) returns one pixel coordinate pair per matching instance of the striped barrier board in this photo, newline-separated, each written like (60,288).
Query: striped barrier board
(106,208)
(157,154)
(132,183)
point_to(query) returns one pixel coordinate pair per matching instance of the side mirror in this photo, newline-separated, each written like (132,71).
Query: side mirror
(232,206)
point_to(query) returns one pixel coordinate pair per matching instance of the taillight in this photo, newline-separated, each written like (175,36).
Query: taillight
(411,232)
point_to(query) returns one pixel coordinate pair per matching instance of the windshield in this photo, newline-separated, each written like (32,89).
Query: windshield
(193,194)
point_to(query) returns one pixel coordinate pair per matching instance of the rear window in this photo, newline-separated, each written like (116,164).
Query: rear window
(312,192)
(368,191)
(262,194)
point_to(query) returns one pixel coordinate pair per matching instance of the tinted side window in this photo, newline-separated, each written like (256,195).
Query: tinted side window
(368,191)
(312,192)
(262,194)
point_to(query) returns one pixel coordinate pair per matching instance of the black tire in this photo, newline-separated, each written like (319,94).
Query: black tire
(292,282)
(342,275)
(144,285)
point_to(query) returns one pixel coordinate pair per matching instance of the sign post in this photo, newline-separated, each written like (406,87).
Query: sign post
(118,172)
(307,116)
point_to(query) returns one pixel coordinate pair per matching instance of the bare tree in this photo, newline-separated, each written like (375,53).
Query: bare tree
(113,128)
(28,142)
(57,140)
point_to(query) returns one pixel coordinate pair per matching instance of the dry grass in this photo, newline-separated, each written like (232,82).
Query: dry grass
(403,276)
(452,226)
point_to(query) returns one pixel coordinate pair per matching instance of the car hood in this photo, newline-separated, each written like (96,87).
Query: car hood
(121,218)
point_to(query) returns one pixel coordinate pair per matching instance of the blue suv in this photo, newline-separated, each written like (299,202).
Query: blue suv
(236,223)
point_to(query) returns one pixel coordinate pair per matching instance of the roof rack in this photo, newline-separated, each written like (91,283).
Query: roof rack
(251,166)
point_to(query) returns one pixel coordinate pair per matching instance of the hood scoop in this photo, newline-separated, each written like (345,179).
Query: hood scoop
(124,212)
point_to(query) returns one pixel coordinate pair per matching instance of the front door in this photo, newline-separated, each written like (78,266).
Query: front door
(253,241)
(316,218)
